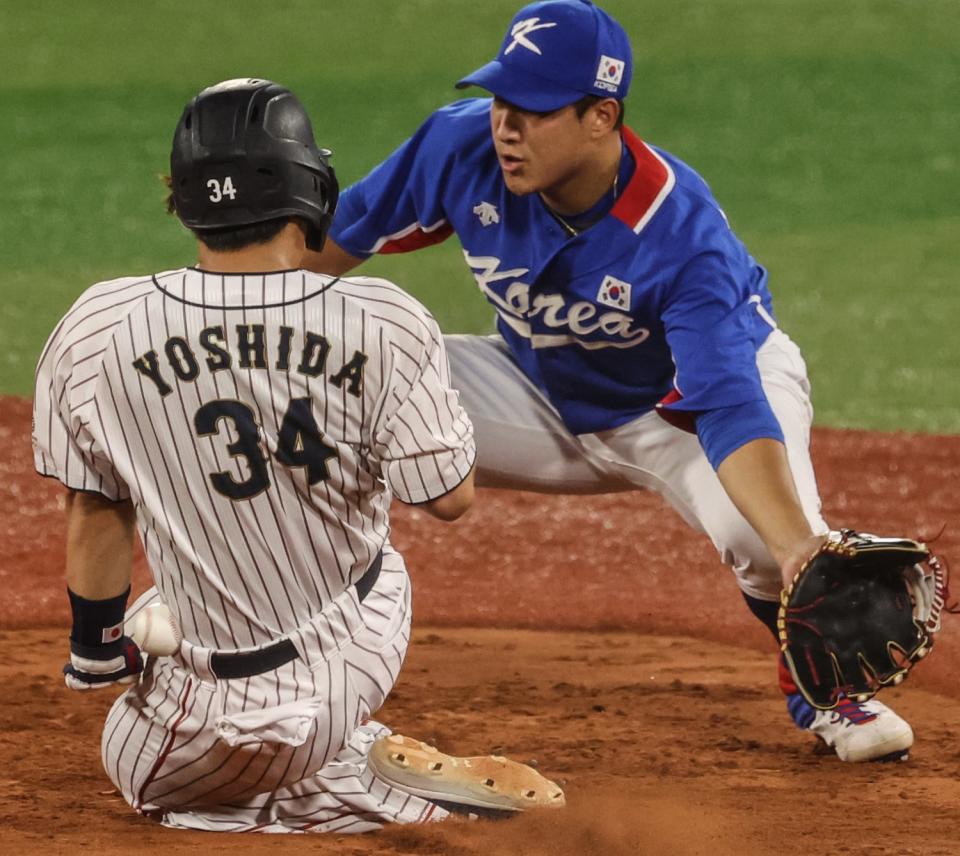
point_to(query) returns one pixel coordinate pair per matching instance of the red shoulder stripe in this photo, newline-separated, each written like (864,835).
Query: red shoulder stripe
(650,184)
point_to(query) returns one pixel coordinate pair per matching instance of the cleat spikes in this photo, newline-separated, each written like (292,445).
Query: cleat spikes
(485,783)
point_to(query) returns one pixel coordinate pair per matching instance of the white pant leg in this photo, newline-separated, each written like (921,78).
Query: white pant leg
(785,382)
(343,797)
(523,444)
(162,750)
(671,462)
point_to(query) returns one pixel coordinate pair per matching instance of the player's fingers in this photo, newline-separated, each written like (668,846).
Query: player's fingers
(900,659)
(76,681)
(76,684)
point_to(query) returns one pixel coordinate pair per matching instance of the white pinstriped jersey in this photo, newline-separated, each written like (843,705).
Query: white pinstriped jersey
(259,423)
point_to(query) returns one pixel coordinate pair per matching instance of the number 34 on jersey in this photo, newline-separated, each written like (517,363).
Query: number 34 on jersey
(300,442)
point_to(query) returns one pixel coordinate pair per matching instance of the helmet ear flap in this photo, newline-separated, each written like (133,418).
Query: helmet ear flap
(317,236)
(333,186)
(329,188)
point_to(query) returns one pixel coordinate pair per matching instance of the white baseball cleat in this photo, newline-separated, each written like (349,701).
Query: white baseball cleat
(857,731)
(488,782)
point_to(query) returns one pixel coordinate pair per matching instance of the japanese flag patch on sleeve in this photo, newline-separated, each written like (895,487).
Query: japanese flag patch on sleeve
(111,634)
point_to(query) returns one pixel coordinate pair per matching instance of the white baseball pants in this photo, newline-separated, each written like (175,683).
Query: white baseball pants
(284,751)
(522,444)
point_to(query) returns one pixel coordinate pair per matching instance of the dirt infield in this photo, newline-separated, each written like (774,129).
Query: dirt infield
(663,749)
(666,743)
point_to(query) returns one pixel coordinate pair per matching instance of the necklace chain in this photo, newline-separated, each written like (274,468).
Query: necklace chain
(571,230)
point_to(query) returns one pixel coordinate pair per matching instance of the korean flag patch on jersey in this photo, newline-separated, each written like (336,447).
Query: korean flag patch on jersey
(614,292)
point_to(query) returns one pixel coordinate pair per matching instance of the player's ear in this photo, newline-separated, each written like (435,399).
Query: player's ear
(168,184)
(603,116)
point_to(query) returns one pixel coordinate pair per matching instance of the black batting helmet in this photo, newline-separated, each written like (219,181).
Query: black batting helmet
(243,153)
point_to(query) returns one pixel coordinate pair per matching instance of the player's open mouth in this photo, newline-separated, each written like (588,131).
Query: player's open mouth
(510,164)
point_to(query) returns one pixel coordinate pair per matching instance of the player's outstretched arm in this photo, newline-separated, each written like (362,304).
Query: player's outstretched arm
(758,480)
(99,559)
(332,260)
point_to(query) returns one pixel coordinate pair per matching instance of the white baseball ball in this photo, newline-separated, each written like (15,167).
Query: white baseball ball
(155,630)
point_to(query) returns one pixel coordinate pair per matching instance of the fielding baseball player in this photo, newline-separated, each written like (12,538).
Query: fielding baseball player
(252,421)
(627,312)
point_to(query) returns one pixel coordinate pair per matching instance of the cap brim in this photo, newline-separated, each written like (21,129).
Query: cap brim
(527,91)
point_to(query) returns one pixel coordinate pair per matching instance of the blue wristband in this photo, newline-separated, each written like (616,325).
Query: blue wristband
(97,624)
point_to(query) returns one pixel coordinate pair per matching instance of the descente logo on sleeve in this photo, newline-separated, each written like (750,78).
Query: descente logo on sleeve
(487,213)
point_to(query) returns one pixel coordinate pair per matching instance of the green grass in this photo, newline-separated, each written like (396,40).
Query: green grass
(828,132)
(873,311)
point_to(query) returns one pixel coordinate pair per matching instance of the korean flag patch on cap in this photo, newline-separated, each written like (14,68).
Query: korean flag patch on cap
(614,292)
(609,73)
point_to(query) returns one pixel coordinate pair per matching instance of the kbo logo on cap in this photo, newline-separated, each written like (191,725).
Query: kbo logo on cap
(521,30)
(609,73)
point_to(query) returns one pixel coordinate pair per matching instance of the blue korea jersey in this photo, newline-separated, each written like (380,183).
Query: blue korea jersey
(658,304)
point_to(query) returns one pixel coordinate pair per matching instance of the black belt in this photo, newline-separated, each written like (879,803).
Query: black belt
(246,664)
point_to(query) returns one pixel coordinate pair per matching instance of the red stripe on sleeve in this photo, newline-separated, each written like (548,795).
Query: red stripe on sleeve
(417,240)
(682,419)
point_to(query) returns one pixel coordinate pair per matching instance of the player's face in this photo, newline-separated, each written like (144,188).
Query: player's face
(538,152)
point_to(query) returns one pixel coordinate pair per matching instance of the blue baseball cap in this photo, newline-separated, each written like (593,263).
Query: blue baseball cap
(554,53)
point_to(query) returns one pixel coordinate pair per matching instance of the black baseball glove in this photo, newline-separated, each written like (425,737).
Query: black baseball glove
(859,615)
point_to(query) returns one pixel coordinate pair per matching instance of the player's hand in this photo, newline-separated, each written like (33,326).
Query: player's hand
(798,556)
(92,668)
